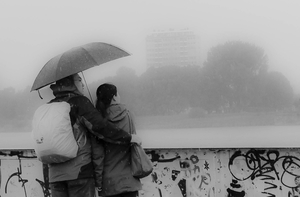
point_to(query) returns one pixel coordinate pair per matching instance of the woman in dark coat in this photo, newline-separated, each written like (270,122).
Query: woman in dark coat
(117,177)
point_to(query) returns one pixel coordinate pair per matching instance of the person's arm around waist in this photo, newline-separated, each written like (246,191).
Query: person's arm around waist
(97,125)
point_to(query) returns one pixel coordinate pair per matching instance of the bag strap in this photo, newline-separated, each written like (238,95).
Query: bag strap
(131,124)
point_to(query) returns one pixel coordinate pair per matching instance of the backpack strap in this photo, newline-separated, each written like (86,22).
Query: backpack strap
(81,137)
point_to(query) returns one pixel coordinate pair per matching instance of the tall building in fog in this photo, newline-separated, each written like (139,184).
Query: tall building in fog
(172,48)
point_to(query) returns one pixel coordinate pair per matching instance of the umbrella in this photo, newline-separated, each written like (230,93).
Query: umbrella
(76,60)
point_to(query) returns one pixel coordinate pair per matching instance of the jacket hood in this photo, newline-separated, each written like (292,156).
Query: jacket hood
(57,89)
(116,112)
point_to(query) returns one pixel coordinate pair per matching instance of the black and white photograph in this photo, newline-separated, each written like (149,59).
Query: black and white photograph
(150,98)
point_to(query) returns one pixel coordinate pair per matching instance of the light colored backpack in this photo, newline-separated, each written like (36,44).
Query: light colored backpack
(52,132)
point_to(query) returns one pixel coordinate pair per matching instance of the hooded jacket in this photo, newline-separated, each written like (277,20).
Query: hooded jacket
(86,121)
(117,176)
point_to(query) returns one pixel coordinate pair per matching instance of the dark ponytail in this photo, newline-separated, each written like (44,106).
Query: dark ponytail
(105,93)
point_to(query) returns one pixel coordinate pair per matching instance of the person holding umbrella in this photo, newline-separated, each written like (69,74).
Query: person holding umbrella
(75,177)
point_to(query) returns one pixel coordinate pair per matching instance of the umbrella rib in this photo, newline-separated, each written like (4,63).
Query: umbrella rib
(91,57)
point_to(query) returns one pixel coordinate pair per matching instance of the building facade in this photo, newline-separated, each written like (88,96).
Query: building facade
(172,48)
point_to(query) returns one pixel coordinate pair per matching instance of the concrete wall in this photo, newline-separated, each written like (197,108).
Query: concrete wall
(178,173)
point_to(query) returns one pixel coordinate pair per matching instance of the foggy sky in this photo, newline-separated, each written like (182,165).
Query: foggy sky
(32,32)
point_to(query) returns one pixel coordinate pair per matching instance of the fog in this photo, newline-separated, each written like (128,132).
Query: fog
(33,32)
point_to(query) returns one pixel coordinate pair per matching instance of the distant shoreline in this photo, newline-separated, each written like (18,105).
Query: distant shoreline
(243,119)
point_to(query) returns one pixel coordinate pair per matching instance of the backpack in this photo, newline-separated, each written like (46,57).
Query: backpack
(52,132)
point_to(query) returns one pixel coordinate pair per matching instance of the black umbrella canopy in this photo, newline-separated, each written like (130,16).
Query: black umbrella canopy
(76,60)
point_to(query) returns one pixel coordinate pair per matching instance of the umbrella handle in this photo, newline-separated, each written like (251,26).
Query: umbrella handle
(87,88)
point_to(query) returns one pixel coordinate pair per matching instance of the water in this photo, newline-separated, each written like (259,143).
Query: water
(221,137)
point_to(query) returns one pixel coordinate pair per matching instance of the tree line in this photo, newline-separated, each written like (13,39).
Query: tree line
(234,78)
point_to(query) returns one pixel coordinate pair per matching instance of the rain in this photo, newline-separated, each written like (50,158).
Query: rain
(192,64)
(212,87)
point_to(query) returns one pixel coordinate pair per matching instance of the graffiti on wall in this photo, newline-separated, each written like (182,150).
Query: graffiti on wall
(275,170)
(179,173)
